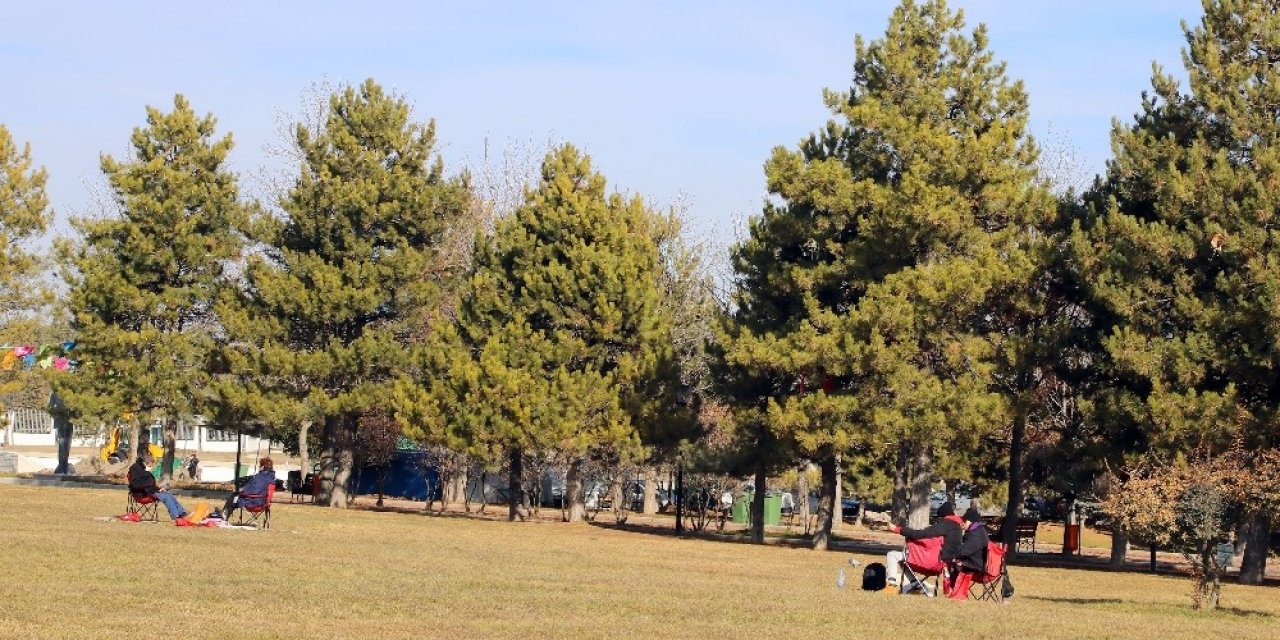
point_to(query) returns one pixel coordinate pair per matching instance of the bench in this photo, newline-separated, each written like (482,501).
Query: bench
(1024,532)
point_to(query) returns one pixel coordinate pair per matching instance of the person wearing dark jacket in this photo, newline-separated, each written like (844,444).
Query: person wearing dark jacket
(143,484)
(973,548)
(972,558)
(948,527)
(254,492)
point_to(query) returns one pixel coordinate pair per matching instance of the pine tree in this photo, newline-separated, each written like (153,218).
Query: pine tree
(24,216)
(866,290)
(344,274)
(1182,256)
(564,344)
(142,281)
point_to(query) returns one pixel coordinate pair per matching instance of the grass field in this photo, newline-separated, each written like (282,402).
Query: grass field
(360,574)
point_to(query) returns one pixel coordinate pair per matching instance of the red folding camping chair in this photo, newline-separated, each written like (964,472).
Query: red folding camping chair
(256,513)
(924,560)
(146,506)
(992,578)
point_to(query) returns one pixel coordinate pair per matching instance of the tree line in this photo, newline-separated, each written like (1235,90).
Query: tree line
(915,303)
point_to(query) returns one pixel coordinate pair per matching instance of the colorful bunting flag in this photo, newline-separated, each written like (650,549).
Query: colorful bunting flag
(44,356)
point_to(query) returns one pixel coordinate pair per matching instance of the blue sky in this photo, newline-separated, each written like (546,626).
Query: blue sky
(670,98)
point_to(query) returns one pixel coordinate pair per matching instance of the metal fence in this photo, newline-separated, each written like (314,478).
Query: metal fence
(30,421)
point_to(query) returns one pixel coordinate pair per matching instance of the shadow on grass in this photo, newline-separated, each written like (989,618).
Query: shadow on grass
(1245,613)
(1084,601)
(495,516)
(1231,611)
(838,544)
(1103,564)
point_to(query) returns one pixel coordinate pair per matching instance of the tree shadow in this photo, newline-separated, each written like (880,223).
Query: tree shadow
(800,542)
(1245,613)
(494,515)
(1083,601)
(1233,611)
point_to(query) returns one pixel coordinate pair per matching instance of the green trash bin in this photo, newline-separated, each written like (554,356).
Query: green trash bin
(742,508)
(773,509)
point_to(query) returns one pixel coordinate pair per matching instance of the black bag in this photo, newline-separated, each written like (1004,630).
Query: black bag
(873,577)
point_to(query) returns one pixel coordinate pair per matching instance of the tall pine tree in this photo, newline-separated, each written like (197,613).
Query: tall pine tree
(143,280)
(564,342)
(24,216)
(1183,256)
(342,276)
(865,289)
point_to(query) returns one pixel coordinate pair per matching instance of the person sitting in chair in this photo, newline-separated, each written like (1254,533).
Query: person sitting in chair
(254,492)
(972,558)
(948,527)
(142,483)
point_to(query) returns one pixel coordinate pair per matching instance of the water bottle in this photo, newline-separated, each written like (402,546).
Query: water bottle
(840,578)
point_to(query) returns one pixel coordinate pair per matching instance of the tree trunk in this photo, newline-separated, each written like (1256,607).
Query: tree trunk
(650,491)
(235,473)
(1119,546)
(337,459)
(802,497)
(901,488)
(304,453)
(1256,536)
(951,484)
(62,427)
(484,497)
(679,495)
(575,508)
(619,500)
(515,487)
(921,487)
(1209,585)
(837,522)
(136,441)
(757,505)
(826,506)
(862,512)
(458,493)
(170,443)
(1215,588)
(328,458)
(343,491)
(1009,532)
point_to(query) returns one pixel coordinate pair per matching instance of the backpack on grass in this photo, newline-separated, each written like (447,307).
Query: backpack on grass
(873,577)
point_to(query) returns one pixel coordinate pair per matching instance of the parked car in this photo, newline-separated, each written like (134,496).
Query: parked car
(938,497)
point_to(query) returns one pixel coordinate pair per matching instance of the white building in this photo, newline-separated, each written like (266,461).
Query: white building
(35,428)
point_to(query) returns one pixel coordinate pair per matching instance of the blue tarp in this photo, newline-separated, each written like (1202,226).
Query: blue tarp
(406,478)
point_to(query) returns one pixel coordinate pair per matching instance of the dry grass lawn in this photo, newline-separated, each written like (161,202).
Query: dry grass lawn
(325,574)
